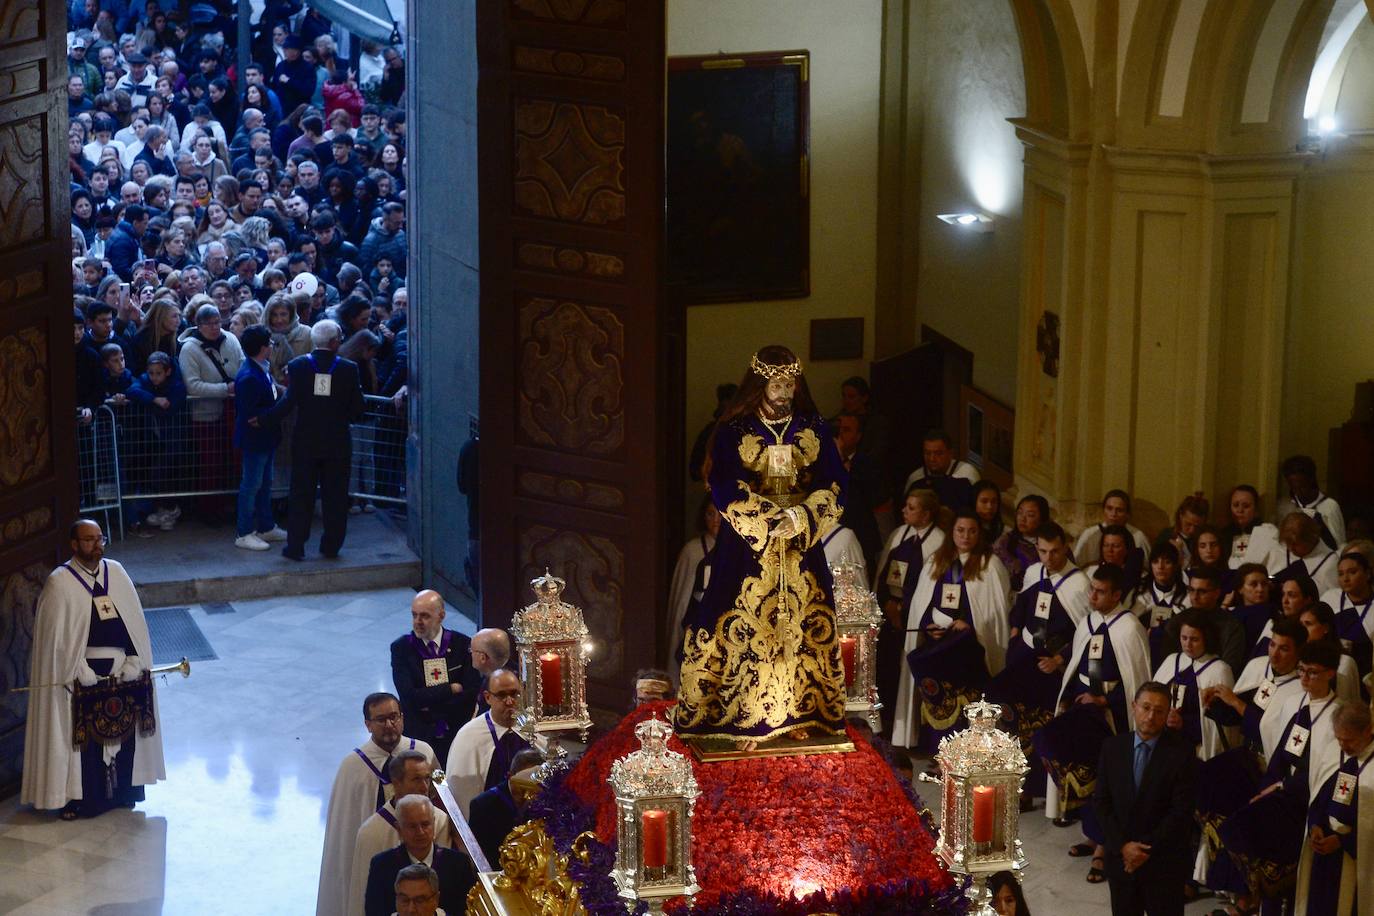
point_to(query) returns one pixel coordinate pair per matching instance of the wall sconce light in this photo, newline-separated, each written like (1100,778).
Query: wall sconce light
(973,222)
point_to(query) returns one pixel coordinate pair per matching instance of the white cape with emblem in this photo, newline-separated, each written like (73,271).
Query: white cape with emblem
(52,768)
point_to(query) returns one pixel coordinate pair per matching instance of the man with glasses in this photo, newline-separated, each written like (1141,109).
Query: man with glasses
(89,626)
(490,652)
(484,748)
(1266,836)
(417,891)
(453,869)
(361,786)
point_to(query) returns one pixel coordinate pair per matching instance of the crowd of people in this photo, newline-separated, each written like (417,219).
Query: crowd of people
(1228,635)
(213,209)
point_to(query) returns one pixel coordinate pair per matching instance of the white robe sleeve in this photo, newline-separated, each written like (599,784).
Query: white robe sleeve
(844,548)
(906,716)
(468,759)
(991,610)
(680,594)
(351,801)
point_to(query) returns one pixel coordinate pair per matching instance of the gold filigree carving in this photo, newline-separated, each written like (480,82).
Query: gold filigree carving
(573,261)
(594,567)
(533,871)
(605,68)
(23,176)
(568,162)
(588,494)
(25,452)
(570,376)
(585,12)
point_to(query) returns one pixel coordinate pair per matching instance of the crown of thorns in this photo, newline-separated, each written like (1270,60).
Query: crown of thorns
(791,370)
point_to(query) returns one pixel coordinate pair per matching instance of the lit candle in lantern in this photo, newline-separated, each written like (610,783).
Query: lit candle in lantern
(654,832)
(984,810)
(551,679)
(848,645)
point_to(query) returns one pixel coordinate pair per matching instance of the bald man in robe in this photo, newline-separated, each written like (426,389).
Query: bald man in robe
(490,653)
(435,674)
(483,750)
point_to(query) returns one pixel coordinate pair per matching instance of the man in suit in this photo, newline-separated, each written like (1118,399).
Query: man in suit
(494,813)
(415,823)
(1144,801)
(325,388)
(254,394)
(434,675)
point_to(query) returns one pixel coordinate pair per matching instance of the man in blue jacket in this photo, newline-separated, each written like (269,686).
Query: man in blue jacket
(254,395)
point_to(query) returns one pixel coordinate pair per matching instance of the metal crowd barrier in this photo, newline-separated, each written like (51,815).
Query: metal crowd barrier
(138,452)
(98,469)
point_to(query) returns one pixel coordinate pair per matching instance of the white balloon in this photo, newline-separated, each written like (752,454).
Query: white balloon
(305,283)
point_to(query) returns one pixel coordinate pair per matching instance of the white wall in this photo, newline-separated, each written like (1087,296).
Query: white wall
(968,284)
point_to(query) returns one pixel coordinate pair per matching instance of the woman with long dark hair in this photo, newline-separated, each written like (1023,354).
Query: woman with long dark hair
(956,635)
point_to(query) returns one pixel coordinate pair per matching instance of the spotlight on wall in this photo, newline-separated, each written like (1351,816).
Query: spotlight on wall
(973,222)
(1326,124)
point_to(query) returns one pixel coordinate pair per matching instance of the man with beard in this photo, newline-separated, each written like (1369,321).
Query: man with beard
(434,677)
(89,625)
(361,786)
(760,653)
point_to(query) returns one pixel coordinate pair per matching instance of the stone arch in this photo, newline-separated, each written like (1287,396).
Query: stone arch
(1056,71)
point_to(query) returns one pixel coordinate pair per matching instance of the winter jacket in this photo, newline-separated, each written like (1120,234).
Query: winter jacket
(380,242)
(287,345)
(201,369)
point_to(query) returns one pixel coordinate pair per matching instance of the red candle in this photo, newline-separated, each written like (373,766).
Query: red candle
(551,679)
(848,644)
(653,828)
(984,810)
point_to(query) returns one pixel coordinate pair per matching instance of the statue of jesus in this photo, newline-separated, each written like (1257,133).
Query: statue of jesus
(760,652)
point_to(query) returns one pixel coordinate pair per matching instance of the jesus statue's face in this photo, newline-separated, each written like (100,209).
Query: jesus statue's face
(777,397)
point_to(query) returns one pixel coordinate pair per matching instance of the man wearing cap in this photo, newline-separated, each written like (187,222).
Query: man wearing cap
(139,82)
(294,78)
(77,65)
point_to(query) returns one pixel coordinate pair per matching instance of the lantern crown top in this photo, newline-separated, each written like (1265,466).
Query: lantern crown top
(982,748)
(548,588)
(549,619)
(854,603)
(653,770)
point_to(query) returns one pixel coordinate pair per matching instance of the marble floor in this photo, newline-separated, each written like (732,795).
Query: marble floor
(252,743)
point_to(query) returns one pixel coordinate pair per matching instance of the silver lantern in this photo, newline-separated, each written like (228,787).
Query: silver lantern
(655,793)
(857,618)
(982,769)
(551,638)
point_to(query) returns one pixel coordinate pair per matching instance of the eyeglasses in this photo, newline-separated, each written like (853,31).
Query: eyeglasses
(102,540)
(404,899)
(391,719)
(1305,672)
(507,695)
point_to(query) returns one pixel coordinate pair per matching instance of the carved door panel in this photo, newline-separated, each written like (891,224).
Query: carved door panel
(575,337)
(37,382)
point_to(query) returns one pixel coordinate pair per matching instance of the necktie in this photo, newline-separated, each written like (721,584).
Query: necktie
(433,649)
(1142,757)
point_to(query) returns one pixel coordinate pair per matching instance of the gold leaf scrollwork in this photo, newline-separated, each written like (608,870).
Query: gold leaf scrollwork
(533,867)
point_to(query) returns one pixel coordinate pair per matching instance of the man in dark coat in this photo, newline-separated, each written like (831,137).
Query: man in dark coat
(432,669)
(415,824)
(495,813)
(294,78)
(326,389)
(1144,801)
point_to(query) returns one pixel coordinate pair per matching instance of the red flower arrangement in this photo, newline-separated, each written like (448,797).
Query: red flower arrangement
(785,828)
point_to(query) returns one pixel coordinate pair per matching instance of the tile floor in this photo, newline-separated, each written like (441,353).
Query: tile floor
(252,743)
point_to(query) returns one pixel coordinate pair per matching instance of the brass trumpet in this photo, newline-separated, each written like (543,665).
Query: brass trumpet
(183,666)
